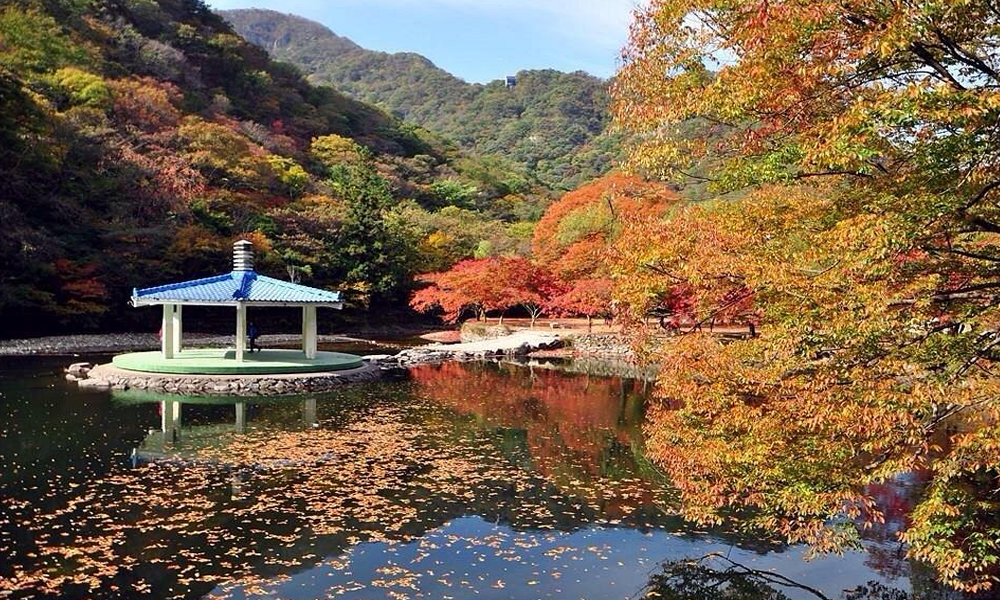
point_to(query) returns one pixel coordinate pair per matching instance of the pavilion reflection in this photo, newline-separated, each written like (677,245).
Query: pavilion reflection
(194,428)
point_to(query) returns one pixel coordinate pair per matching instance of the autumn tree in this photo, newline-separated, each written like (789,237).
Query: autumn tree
(465,287)
(83,88)
(588,297)
(525,284)
(859,140)
(486,285)
(333,151)
(572,236)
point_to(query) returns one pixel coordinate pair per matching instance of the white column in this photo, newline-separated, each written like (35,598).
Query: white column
(171,420)
(241,331)
(178,328)
(309,337)
(166,416)
(241,417)
(167,338)
(309,412)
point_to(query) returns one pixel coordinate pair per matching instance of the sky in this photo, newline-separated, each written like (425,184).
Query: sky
(477,40)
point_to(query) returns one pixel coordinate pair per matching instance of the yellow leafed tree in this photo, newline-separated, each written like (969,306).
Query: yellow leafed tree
(854,148)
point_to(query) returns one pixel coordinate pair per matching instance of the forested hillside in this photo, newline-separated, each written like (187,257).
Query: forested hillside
(553,124)
(138,138)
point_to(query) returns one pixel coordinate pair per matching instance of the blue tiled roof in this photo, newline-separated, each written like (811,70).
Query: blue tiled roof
(245,286)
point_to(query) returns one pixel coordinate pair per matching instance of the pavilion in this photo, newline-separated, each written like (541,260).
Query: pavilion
(242,288)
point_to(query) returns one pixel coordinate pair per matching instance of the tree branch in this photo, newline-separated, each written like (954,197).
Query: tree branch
(925,55)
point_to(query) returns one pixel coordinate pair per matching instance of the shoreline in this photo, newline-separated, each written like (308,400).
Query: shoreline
(530,346)
(105,343)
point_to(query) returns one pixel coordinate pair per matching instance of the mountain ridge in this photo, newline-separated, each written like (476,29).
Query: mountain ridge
(554,124)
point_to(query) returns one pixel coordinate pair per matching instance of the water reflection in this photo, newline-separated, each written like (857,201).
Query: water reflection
(197,441)
(716,575)
(487,480)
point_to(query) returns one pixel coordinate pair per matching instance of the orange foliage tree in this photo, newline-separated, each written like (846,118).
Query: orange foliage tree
(860,139)
(573,234)
(573,237)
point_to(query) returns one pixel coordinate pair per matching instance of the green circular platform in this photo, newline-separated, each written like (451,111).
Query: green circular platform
(223,362)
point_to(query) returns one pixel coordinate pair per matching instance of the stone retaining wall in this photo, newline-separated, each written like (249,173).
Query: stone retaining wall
(601,344)
(600,366)
(110,377)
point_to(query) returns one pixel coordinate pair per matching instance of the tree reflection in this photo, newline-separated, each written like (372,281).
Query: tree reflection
(571,421)
(698,580)
(716,577)
(582,434)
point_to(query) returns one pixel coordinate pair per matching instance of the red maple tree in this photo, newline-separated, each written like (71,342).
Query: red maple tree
(487,285)
(588,297)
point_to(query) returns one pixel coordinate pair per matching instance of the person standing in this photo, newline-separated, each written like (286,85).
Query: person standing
(253,333)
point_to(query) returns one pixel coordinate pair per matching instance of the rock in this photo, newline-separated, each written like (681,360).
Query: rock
(71,377)
(473,331)
(94,384)
(79,369)
(377,357)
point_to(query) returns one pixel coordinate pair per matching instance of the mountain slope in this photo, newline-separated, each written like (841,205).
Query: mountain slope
(407,85)
(138,138)
(552,123)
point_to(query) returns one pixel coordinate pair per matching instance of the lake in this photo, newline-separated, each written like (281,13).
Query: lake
(472,480)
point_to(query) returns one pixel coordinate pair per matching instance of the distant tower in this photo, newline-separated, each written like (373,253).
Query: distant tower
(511,81)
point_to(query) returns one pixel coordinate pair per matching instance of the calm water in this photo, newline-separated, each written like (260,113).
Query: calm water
(455,481)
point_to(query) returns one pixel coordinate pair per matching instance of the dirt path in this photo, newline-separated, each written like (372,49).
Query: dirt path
(519,343)
(533,339)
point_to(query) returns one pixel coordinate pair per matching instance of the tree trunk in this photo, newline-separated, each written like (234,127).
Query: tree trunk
(590,323)
(500,322)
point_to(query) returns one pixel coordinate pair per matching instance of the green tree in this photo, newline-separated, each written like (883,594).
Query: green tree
(374,256)
(32,41)
(83,88)
(454,193)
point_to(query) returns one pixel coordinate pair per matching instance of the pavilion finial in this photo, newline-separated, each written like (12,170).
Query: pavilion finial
(243,256)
